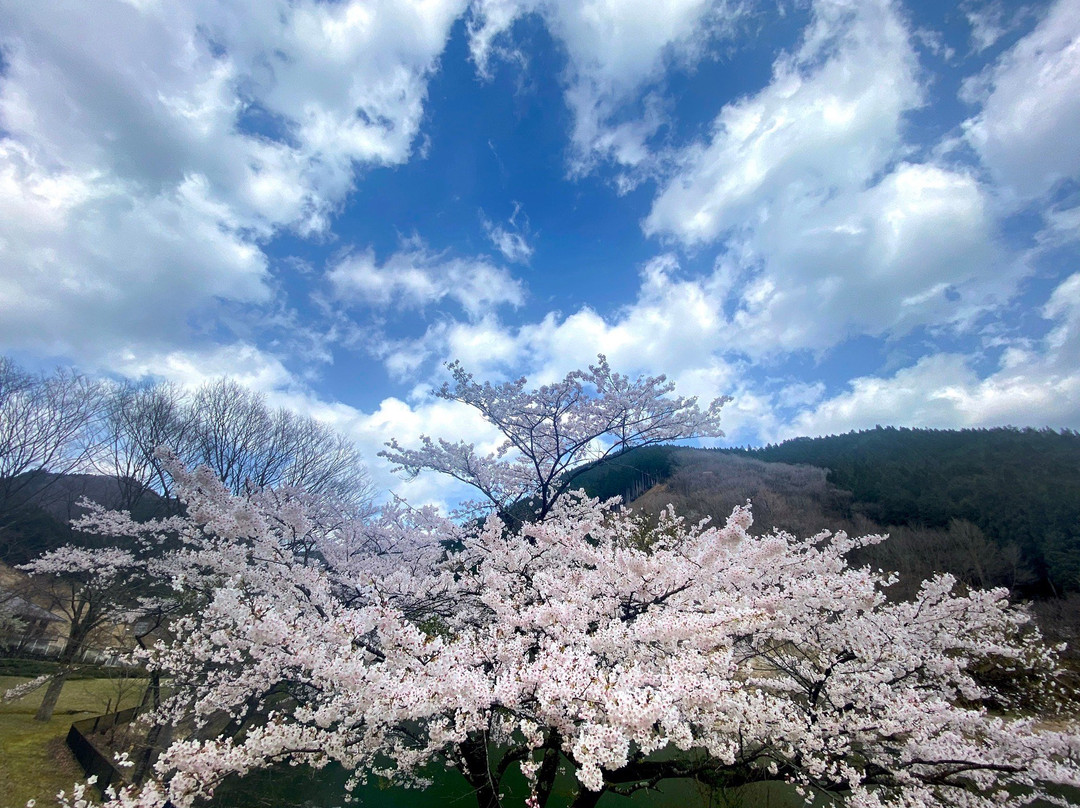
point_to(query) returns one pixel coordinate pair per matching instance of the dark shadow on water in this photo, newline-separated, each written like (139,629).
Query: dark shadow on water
(303,787)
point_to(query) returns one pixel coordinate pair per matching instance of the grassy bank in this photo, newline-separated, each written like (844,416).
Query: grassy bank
(35,763)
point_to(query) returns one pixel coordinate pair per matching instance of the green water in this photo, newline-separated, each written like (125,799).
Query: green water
(299,787)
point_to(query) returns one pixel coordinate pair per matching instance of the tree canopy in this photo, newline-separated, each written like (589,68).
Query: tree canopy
(553,432)
(587,638)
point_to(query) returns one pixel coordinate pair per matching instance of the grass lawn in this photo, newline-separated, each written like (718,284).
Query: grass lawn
(35,762)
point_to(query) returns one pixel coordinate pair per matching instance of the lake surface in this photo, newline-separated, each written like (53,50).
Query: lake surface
(300,787)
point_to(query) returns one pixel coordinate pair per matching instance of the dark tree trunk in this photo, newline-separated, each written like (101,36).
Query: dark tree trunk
(477,772)
(157,740)
(52,694)
(151,700)
(549,766)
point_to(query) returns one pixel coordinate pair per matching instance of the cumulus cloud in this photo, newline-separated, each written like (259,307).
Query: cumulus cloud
(415,277)
(878,261)
(614,50)
(407,421)
(827,231)
(86,268)
(675,327)
(830,119)
(149,150)
(1025,132)
(944,390)
(190,368)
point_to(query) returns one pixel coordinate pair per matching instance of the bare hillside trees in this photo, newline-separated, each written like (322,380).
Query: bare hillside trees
(234,432)
(46,424)
(52,425)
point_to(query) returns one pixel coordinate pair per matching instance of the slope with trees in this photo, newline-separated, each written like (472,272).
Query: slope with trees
(1019,486)
(46,425)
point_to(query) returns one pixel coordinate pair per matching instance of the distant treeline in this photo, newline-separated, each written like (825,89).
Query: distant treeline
(1020,486)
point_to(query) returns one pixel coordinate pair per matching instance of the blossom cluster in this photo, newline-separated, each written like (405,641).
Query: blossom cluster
(594,636)
(553,430)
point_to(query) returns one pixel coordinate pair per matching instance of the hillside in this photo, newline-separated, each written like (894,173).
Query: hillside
(702,483)
(996,507)
(1019,486)
(991,507)
(40,519)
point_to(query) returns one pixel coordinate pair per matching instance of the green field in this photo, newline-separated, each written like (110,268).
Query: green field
(35,762)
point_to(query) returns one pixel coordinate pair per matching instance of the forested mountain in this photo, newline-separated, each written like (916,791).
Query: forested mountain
(1019,486)
(40,518)
(994,506)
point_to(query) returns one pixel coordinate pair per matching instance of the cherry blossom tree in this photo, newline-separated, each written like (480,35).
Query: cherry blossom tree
(587,639)
(590,640)
(93,588)
(552,432)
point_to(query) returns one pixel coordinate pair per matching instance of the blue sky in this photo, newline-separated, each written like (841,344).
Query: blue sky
(840,212)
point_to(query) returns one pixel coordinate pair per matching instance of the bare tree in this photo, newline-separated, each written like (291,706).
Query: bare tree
(320,459)
(45,425)
(138,419)
(246,444)
(231,430)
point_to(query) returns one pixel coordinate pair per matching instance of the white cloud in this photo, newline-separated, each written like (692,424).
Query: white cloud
(827,230)
(988,24)
(1033,385)
(87,266)
(149,150)
(407,422)
(1026,130)
(877,261)
(513,246)
(490,21)
(191,368)
(675,327)
(614,49)
(415,277)
(943,391)
(512,240)
(1064,340)
(830,119)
